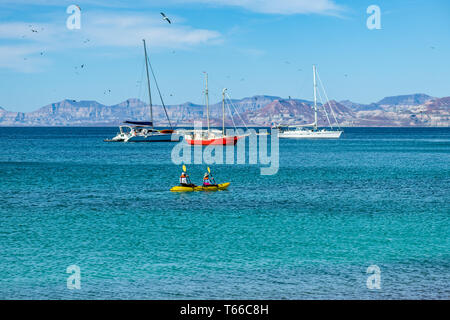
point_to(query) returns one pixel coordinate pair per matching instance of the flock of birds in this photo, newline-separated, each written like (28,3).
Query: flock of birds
(79,67)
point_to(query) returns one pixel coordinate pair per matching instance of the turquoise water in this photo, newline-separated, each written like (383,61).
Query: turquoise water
(378,196)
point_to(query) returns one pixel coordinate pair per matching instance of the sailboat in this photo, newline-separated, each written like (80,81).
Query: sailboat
(310,131)
(144,131)
(211,136)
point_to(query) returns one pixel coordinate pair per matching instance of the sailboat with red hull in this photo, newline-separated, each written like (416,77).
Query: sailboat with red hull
(211,136)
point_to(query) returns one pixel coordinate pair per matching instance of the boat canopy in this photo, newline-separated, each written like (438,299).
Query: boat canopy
(294,126)
(140,123)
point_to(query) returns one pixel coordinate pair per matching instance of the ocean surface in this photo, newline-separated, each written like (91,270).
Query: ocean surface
(377,196)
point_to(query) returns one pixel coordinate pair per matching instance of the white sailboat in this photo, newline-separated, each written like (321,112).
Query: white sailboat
(144,131)
(310,131)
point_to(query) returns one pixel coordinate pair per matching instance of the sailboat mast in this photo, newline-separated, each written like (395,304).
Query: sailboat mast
(223,111)
(315,97)
(207,100)
(148,83)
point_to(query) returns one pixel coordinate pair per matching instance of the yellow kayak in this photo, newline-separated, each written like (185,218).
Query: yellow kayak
(221,186)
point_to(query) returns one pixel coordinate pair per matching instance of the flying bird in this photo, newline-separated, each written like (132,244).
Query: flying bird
(165,18)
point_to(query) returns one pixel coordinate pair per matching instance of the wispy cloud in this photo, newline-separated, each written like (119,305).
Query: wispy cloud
(109,28)
(22,58)
(285,7)
(18,42)
(129,29)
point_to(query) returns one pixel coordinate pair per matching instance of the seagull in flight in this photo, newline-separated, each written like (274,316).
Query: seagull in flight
(165,18)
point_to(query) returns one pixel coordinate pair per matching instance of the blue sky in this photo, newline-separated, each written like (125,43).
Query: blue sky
(250,46)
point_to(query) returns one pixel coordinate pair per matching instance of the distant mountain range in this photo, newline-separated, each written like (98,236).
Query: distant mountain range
(404,110)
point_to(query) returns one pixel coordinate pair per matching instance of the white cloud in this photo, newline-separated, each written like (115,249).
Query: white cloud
(278,6)
(129,30)
(126,29)
(262,6)
(18,43)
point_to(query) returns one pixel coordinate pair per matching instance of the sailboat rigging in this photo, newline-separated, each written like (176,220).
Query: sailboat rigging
(144,131)
(313,132)
(211,136)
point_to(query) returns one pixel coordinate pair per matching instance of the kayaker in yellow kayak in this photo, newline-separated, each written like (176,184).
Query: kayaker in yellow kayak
(185,181)
(208,181)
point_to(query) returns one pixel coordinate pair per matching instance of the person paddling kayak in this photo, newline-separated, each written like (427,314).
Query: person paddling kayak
(185,181)
(208,181)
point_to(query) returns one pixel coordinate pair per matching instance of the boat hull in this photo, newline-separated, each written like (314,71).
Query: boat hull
(221,186)
(294,134)
(215,141)
(158,137)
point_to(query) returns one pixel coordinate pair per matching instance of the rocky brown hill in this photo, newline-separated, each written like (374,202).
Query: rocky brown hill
(406,110)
